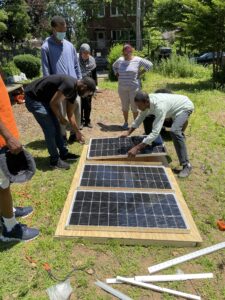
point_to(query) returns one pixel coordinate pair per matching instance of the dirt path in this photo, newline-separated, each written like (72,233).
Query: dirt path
(106,119)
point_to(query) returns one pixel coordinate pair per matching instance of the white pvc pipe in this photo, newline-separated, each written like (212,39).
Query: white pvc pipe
(177,277)
(159,289)
(186,257)
(112,291)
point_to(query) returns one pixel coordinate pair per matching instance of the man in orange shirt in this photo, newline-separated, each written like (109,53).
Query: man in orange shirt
(11,229)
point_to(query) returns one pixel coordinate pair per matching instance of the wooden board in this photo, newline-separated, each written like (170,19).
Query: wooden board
(177,239)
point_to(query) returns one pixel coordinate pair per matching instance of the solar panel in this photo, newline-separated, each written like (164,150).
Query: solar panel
(121,211)
(129,176)
(111,147)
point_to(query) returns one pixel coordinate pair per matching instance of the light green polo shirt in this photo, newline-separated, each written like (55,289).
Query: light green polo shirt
(162,106)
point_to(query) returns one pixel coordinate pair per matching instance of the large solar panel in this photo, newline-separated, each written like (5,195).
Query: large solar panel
(111,147)
(92,210)
(129,176)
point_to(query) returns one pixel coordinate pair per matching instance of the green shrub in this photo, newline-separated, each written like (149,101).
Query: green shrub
(181,66)
(10,69)
(28,64)
(115,53)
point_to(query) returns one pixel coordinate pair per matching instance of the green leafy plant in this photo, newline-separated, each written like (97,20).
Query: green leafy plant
(10,69)
(28,64)
(181,66)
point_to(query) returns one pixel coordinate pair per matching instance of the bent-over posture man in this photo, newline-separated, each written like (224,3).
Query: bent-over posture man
(44,98)
(162,106)
(11,229)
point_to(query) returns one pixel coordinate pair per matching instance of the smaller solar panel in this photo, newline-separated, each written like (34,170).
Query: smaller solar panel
(126,209)
(129,176)
(119,147)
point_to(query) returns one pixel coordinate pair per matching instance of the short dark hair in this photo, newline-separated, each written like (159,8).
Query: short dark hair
(90,83)
(141,96)
(163,91)
(57,20)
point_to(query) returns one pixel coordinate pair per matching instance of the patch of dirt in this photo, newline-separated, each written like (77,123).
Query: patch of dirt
(106,117)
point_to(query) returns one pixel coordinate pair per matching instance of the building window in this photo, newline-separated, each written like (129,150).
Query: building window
(118,35)
(127,7)
(115,11)
(101,10)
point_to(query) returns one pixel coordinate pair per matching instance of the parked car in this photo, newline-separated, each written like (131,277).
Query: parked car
(206,58)
(162,53)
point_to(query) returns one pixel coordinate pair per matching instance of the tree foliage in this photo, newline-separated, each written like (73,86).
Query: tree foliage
(39,20)
(3,20)
(18,20)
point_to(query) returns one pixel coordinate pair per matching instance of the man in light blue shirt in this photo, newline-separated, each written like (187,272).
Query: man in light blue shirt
(162,106)
(60,57)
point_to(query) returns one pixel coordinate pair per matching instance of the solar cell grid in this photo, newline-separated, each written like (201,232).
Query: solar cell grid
(125,176)
(126,209)
(108,147)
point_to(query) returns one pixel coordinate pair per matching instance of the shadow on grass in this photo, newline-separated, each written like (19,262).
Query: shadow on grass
(37,145)
(42,163)
(191,87)
(110,127)
(5,246)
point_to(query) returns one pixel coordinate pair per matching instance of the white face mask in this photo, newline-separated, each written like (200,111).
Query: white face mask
(60,35)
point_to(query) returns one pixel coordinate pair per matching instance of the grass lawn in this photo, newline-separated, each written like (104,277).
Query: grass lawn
(21,266)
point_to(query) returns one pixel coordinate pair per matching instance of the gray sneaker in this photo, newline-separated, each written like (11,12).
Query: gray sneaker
(60,164)
(20,232)
(186,171)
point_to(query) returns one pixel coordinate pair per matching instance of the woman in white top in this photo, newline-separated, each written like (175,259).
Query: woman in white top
(128,69)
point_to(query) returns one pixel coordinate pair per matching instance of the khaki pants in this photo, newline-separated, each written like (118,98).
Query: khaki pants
(127,95)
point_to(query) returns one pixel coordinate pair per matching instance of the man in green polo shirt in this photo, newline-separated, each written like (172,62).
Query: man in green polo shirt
(162,106)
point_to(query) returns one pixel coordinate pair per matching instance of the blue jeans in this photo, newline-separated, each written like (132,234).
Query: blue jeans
(50,126)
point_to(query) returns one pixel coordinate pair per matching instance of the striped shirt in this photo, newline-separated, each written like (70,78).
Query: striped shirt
(129,70)
(162,106)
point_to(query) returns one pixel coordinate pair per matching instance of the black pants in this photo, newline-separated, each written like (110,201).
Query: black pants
(86,110)
(150,119)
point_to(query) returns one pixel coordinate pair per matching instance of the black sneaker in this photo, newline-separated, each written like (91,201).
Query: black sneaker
(72,138)
(23,212)
(186,171)
(60,164)
(20,232)
(69,156)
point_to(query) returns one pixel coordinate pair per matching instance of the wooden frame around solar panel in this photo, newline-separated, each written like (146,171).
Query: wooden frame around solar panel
(185,237)
(112,152)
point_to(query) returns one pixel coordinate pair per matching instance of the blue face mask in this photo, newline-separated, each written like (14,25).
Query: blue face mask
(60,35)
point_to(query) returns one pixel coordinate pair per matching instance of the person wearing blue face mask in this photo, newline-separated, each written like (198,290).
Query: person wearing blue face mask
(59,56)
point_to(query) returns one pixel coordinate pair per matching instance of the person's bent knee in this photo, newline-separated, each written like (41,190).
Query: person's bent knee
(175,132)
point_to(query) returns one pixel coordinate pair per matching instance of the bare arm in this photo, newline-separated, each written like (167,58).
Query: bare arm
(133,152)
(55,106)
(72,120)
(11,142)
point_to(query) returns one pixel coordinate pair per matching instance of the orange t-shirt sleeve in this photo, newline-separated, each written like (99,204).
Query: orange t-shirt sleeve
(6,113)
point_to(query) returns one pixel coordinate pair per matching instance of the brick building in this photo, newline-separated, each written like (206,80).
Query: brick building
(110,24)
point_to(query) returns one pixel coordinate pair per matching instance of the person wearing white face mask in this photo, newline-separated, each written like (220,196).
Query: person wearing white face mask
(60,57)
